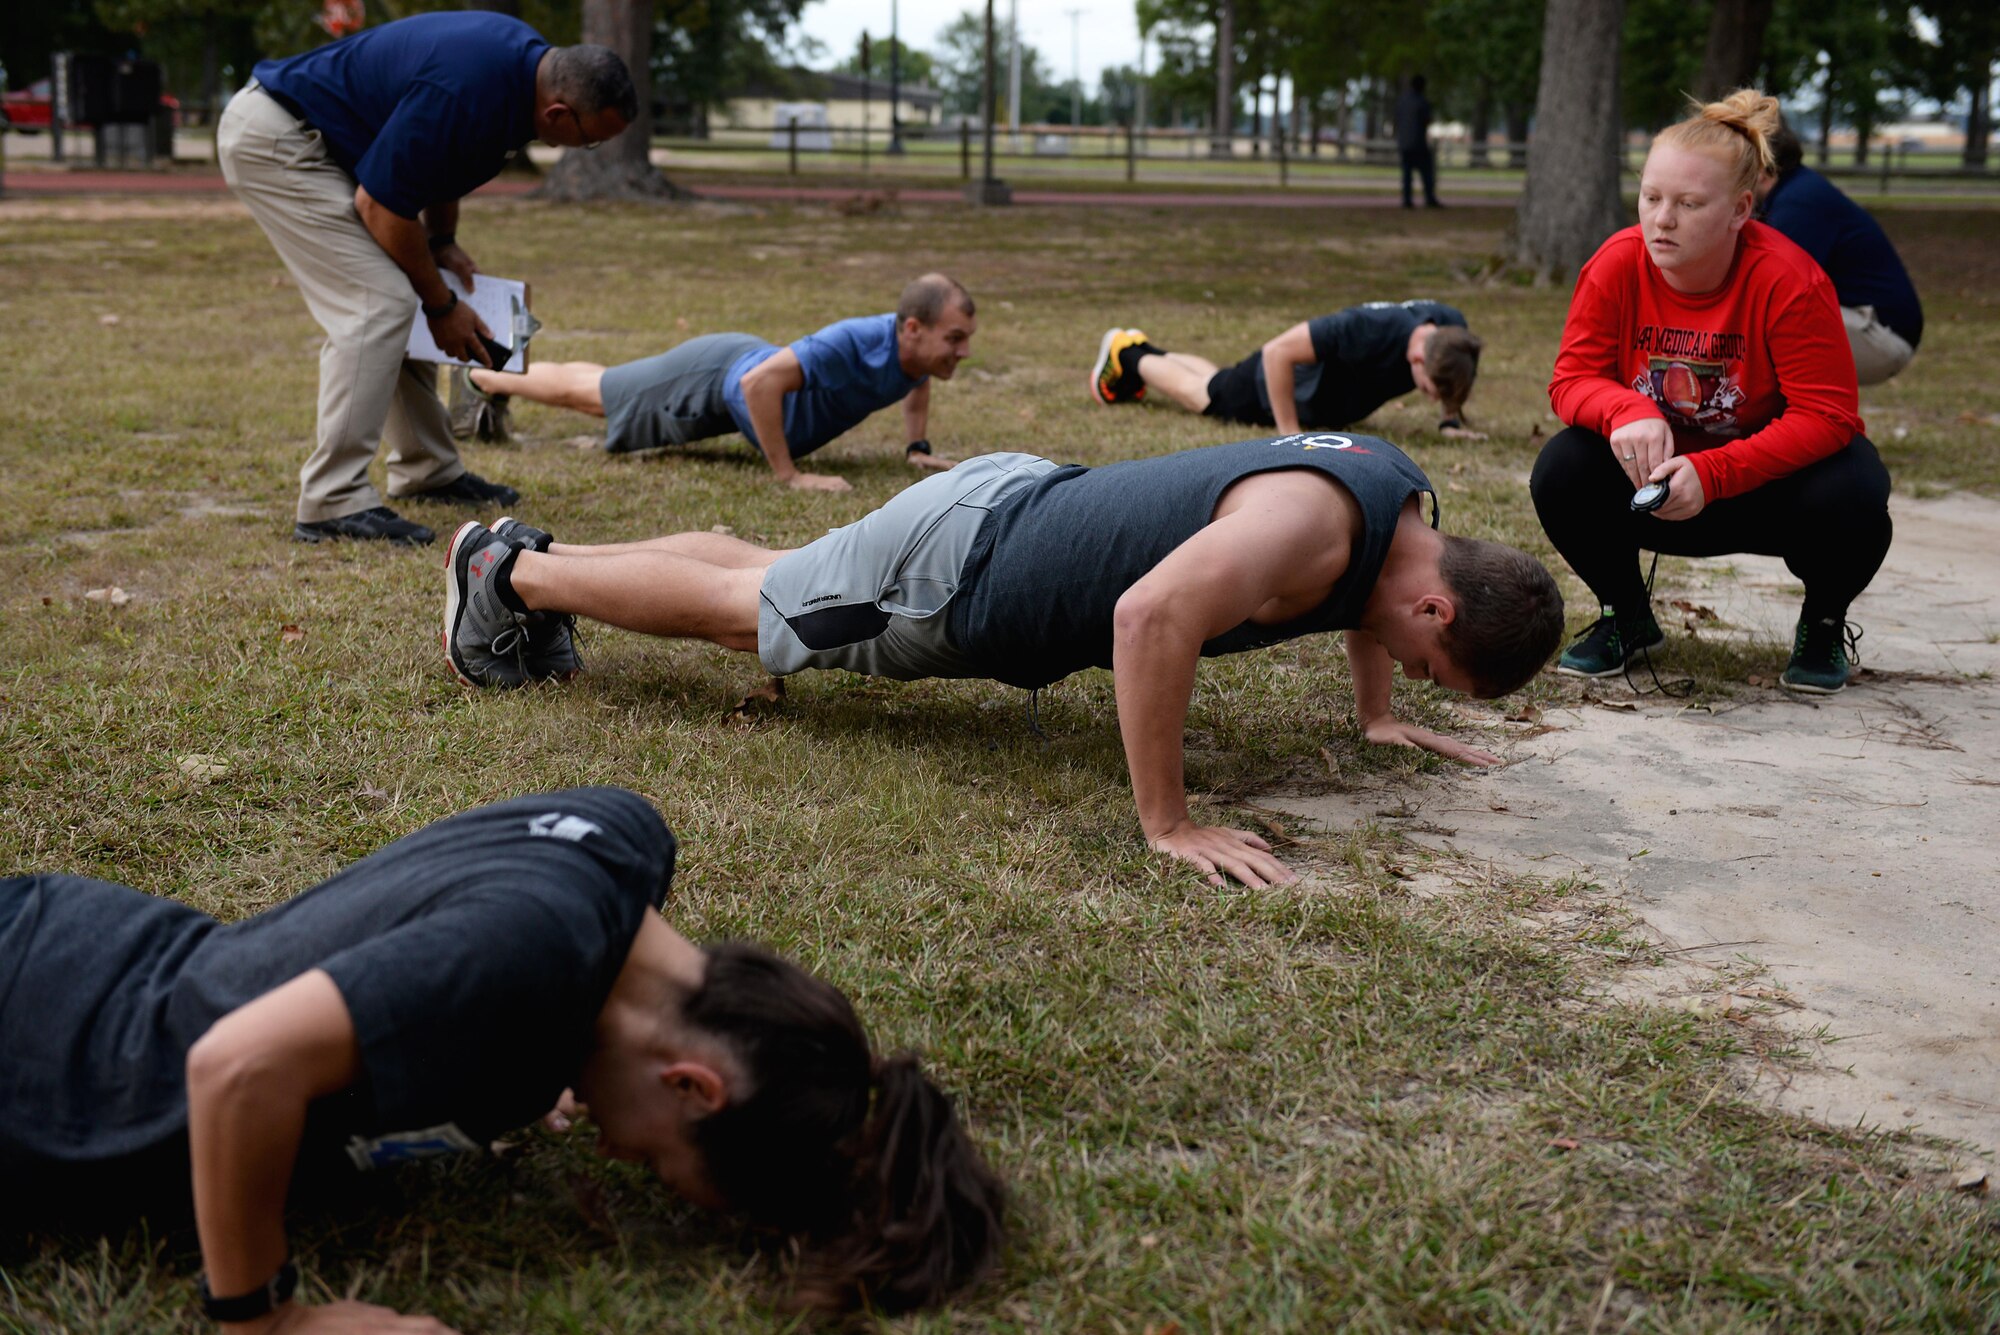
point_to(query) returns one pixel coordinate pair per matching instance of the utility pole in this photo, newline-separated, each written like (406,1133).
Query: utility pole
(1139,110)
(988,189)
(895,84)
(1014,73)
(1222,134)
(1075,71)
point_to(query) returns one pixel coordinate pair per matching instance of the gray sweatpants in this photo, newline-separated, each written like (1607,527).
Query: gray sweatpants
(369,394)
(871,597)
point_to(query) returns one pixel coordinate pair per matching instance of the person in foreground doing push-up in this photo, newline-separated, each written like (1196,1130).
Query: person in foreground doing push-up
(452,987)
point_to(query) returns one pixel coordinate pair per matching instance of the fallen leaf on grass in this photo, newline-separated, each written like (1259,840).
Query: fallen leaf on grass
(202,768)
(107,320)
(584,442)
(369,795)
(1562,1143)
(1627,706)
(724,530)
(1332,761)
(1757,679)
(1695,610)
(290,634)
(1525,714)
(770,693)
(114,595)
(1972,1180)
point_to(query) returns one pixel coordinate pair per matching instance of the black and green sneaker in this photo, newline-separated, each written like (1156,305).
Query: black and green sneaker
(1611,643)
(1823,656)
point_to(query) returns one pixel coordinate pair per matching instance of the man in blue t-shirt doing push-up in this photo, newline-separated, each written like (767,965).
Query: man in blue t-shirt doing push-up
(788,401)
(1014,568)
(353,158)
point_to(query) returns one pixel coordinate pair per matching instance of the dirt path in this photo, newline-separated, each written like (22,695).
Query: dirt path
(1850,845)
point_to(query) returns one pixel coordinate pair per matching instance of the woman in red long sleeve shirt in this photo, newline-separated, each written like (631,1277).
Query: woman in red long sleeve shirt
(1705,351)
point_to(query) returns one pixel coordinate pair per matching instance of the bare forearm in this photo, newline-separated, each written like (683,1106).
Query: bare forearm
(407,242)
(1282,381)
(917,414)
(767,416)
(243,1137)
(1370,669)
(442,219)
(1153,668)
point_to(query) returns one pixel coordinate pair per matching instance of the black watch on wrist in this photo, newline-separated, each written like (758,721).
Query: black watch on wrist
(276,1292)
(917,447)
(439,240)
(439,312)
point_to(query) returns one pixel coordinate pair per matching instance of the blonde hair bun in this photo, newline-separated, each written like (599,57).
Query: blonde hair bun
(1738,129)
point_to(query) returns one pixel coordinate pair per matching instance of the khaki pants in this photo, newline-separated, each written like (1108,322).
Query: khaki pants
(1879,351)
(368,392)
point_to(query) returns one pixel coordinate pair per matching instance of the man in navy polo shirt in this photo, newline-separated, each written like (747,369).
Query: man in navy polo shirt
(787,401)
(353,158)
(1878,302)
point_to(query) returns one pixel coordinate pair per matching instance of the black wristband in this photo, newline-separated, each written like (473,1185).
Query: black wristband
(439,312)
(439,240)
(917,447)
(276,1292)
(1451,424)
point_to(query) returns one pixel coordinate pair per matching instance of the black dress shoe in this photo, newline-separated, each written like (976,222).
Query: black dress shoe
(380,524)
(467,489)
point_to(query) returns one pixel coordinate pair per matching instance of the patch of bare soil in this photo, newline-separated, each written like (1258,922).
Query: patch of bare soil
(1846,849)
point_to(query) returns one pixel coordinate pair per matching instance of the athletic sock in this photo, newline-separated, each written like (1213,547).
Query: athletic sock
(503,582)
(1129,379)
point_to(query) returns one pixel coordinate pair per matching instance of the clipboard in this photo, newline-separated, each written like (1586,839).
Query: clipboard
(503,303)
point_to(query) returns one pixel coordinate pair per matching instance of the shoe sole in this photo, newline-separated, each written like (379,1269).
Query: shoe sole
(1097,369)
(300,533)
(1618,671)
(455,559)
(1807,688)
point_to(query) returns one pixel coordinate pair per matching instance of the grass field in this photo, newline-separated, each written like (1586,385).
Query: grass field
(1336,1103)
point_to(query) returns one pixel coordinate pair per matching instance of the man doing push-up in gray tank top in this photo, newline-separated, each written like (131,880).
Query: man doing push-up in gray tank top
(1014,568)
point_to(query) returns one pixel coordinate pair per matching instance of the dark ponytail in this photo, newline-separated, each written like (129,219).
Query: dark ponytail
(864,1161)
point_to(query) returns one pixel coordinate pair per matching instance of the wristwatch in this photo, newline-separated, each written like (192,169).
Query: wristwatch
(917,447)
(439,312)
(439,240)
(276,1292)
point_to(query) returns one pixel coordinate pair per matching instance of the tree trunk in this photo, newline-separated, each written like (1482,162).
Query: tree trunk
(1517,135)
(622,168)
(1735,46)
(1826,125)
(1222,132)
(1979,121)
(1572,199)
(1482,126)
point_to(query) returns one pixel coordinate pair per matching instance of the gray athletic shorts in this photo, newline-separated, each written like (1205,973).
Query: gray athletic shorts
(673,398)
(871,597)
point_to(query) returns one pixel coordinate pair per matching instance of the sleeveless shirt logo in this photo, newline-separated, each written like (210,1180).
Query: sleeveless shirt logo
(1325,442)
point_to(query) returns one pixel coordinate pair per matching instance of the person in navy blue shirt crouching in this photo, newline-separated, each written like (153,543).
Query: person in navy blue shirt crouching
(353,159)
(1878,303)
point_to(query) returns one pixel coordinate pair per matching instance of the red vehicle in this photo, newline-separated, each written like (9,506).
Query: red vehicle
(28,109)
(31,109)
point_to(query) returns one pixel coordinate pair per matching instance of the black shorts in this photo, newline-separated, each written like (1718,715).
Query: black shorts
(1233,396)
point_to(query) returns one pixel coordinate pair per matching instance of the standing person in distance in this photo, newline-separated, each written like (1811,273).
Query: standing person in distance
(1705,351)
(353,158)
(1413,142)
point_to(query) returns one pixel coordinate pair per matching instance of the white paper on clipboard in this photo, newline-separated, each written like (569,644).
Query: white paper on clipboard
(501,302)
